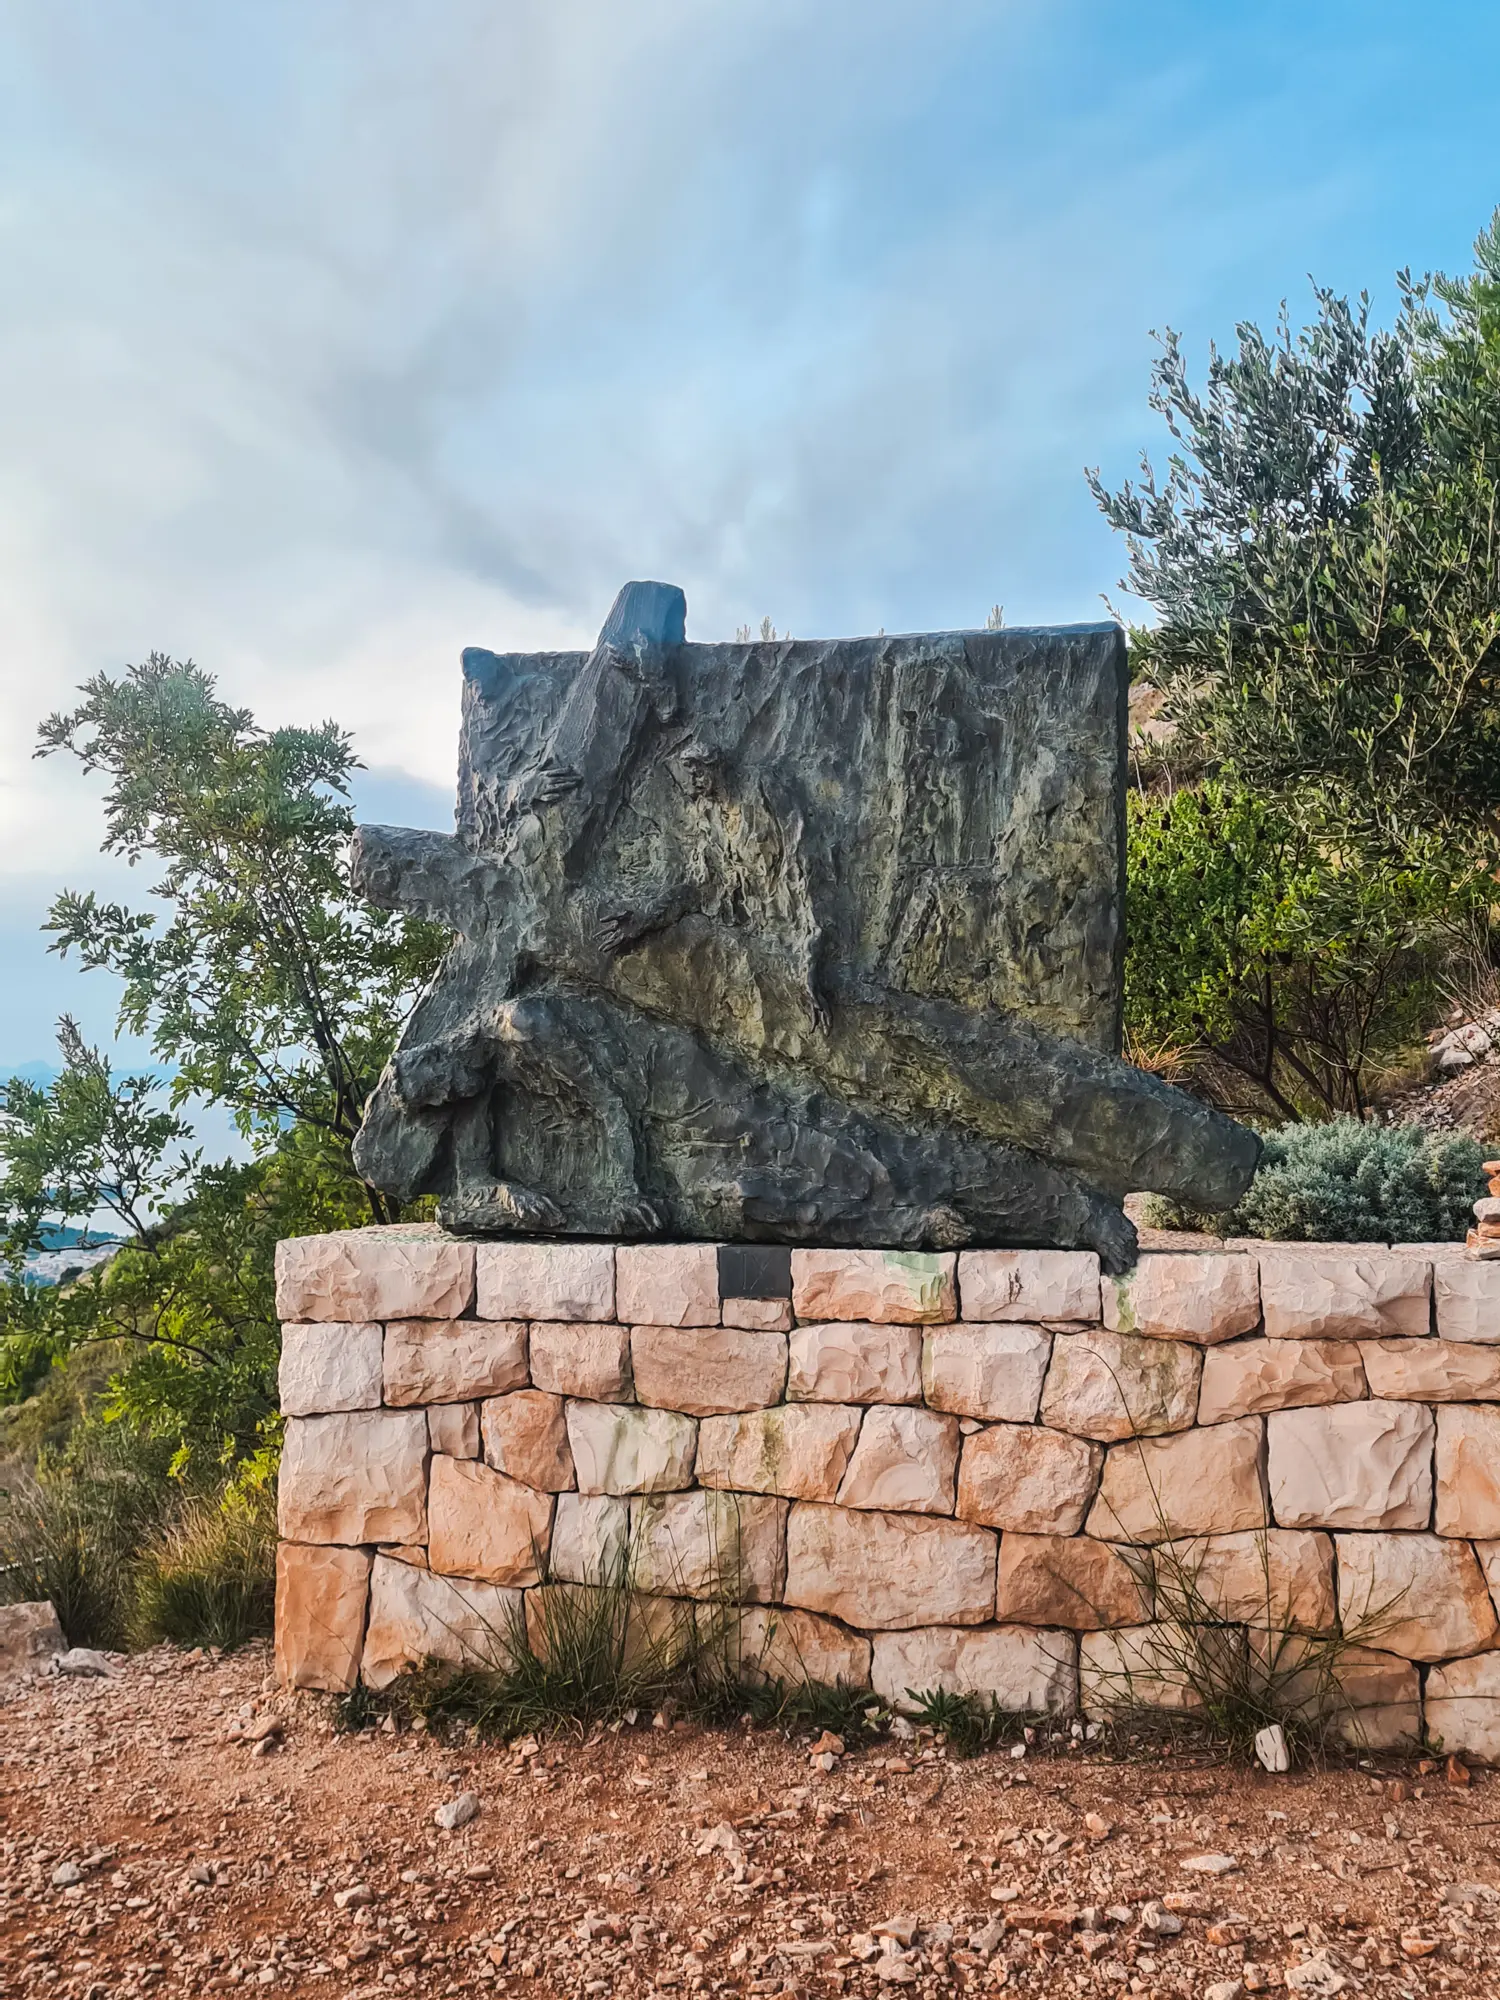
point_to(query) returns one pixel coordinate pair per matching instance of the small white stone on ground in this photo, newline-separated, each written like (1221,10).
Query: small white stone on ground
(1270,1748)
(454,1813)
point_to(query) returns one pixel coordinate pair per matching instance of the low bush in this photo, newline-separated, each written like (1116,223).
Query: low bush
(70,1533)
(207,1577)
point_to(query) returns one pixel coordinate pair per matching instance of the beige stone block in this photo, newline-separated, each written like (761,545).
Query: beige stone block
(667,1284)
(994,1371)
(1114,1385)
(1275,1578)
(590,1539)
(1354,1465)
(1463,1707)
(320,1615)
(1031,1285)
(729,1547)
(798,1649)
(1489,1561)
(889,1287)
(526,1437)
(889,1571)
(1468,1471)
(557,1281)
(396,1271)
(619,1448)
(767,1315)
(1069,1580)
(328,1368)
(483,1525)
(1466,1298)
(578,1359)
(1249,1377)
(1019,1668)
(1380,1701)
(1037,1482)
(905,1460)
(707,1371)
(1200,1295)
(1148,1666)
(452,1360)
(1433,1371)
(855,1362)
(29,1636)
(453,1429)
(358,1476)
(798,1450)
(1203,1482)
(1344,1294)
(1416,1595)
(417,1617)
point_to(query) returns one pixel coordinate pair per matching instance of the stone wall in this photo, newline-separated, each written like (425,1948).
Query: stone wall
(931,1463)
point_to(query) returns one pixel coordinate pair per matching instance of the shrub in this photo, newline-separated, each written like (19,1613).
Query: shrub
(68,1534)
(208,1575)
(1351,1183)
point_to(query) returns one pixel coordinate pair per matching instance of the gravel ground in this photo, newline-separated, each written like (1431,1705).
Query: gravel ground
(146,1846)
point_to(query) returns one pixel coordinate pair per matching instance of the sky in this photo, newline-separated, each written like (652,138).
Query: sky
(335,337)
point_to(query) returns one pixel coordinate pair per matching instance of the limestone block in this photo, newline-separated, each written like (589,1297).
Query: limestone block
(855,1362)
(1203,1482)
(1466,1298)
(1463,1707)
(1489,1561)
(667,1284)
(417,1616)
(1344,1294)
(483,1525)
(888,1571)
(590,1539)
(890,1287)
(1016,1666)
(358,1476)
(769,1315)
(905,1460)
(799,1450)
(1250,1377)
(619,1448)
(707,1371)
(330,1367)
(579,1359)
(451,1360)
(1034,1481)
(1415,1595)
(797,1649)
(1029,1285)
(1142,1666)
(729,1547)
(526,1437)
(1200,1295)
(1354,1465)
(398,1271)
(1069,1580)
(1433,1371)
(1280,1579)
(986,1371)
(1380,1701)
(453,1429)
(321,1595)
(29,1636)
(558,1281)
(1468,1471)
(1114,1385)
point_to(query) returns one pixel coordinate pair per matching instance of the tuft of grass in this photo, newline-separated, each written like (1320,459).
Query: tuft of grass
(970,1724)
(207,1577)
(69,1534)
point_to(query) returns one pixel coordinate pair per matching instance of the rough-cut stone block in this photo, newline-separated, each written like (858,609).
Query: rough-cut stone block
(856,1362)
(453,1429)
(1037,1482)
(483,1525)
(1203,1482)
(1280,1579)
(449,1361)
(1463,1707)
(1200,1295)
(618,1448)
(1354,1465)
(1251,1377)
(1141,1666)
(1069,1580)
(359,1476)
(905,1460)
(796,1649)
(1380,1701)
(399,1271)
(1344,1294)
(707,1371)
(578,1359)
(328,1368)
(799,1450)
(1466,1299)
(1489,1561)
(1032,1285)
(566,1281)
(889,1571)
(724,1546)
(526,1437)
(986,1371)
(416,1616)
(1114,1385)
(1016,1666)
(321,1595)
(667,1284)
(590,1538)
(1415,1595)
(1468,1471)
(890,1287)
(768,1315)
(29,1635)
(1433,1371)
